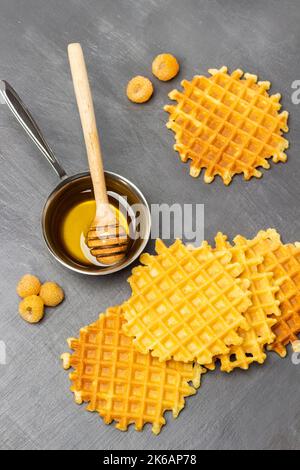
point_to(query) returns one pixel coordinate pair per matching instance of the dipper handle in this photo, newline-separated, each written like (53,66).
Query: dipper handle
(88,122)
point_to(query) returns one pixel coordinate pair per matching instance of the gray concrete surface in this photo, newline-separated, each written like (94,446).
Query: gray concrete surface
(258,409)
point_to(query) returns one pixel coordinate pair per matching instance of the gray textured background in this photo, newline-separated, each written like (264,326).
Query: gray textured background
(120,37)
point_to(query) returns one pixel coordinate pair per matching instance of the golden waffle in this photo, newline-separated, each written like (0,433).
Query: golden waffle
(284,262)
(122,384)
(186,304)
(228,124)
(264,305)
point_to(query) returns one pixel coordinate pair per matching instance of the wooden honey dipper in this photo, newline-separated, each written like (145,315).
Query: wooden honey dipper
(107,239)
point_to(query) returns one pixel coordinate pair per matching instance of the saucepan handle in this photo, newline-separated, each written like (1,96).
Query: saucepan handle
(23,116)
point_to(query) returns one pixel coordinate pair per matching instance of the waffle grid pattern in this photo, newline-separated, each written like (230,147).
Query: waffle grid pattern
(122,384)
(185,304)
(227,124)
(264,305)
(284,262)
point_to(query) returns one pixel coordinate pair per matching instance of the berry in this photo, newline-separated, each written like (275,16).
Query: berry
(31,309)
(165,67)
(139,89)
(28,285)
(52,294)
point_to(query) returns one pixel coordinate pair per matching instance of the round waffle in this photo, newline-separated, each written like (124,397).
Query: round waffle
(122,384)
(261,316)
(227,124)
(186,304)
(284,262)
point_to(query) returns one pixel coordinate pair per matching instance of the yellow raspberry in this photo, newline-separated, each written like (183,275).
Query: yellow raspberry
(139,89)
(165,67)
(31,309)
(52,294)
(28,285)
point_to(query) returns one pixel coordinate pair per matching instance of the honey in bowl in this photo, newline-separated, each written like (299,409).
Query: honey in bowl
(76,223)
(78,189)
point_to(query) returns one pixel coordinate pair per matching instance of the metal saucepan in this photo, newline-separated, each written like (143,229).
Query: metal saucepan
(117,186)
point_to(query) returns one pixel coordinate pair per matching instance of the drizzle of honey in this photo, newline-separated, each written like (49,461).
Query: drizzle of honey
(75,226)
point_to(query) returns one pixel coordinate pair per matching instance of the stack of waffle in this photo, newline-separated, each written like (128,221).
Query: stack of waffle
(190,310)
